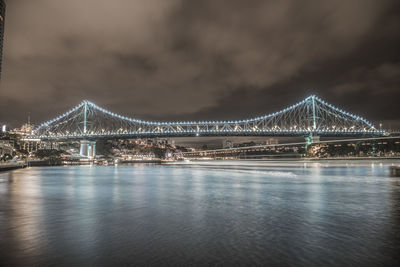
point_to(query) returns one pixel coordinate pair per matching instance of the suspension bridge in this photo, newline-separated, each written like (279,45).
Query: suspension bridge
(310,117)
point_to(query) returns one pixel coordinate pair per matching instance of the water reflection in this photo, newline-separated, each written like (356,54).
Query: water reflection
(212,213)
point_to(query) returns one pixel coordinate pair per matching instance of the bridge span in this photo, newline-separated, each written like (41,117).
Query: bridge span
(308,118)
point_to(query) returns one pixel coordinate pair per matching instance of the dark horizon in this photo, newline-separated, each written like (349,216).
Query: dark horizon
(208,60)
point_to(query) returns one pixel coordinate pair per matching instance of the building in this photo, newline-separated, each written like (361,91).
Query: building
(2,21)
(27,129)
(227,143)
(271,141)
(30,146)
(4,129)
(6,147)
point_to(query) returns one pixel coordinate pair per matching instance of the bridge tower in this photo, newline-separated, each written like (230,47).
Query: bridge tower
(88,148)
(310,138)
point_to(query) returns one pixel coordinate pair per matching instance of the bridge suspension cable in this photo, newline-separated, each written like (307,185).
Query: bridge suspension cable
(310,116)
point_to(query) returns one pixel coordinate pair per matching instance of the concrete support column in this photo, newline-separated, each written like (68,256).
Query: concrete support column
(94,149)
(90,151)
(88,148)
(83,149)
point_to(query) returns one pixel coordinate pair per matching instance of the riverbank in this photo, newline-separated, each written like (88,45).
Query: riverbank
(12,165)
(299,159)
(356,158)
(47,162)
(43,163)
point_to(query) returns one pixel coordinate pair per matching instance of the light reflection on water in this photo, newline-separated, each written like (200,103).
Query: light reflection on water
(206,213)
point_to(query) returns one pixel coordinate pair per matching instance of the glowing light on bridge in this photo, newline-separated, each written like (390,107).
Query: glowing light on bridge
(309,116)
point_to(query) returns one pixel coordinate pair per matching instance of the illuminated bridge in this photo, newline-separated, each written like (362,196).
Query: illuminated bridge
(309,117)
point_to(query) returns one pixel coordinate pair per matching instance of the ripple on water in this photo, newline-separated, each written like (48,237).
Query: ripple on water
(226,214)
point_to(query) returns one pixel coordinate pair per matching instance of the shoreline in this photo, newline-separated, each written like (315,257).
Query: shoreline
(47,163)
(394,168)
(12,166)
(303,159)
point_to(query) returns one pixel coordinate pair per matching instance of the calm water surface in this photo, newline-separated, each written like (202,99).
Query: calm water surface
(216,213)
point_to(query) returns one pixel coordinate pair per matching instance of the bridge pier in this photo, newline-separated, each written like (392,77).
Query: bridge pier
(311,139)
(88,148)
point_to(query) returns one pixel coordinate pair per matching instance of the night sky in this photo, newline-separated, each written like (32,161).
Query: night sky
(200,59)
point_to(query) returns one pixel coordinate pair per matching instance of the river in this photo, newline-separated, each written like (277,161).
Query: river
(210,213)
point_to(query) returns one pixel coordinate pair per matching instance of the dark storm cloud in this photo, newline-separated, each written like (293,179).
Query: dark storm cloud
(209,59)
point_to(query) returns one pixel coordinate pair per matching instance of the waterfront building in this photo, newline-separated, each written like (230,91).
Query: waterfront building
(30,146)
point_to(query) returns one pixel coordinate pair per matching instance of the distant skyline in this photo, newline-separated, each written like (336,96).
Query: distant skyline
(200,60)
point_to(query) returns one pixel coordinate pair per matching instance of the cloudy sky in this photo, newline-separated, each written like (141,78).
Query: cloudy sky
(208,59)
